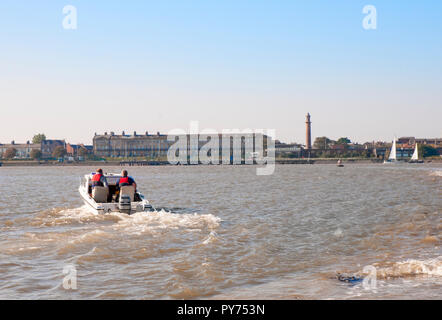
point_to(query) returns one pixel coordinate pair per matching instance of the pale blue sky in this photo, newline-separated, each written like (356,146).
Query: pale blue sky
(156,65)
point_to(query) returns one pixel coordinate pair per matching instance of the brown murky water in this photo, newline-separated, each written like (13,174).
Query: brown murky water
(226,233)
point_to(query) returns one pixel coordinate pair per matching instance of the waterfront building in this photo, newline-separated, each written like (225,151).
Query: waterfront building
(157,146)
(411,141)
(128,146)
(290,150)
(23,149)
(48,147)
(71,149)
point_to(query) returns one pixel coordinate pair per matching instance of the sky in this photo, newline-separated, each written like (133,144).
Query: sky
(231,64)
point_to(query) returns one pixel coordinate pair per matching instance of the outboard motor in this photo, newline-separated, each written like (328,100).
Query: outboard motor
(124,204)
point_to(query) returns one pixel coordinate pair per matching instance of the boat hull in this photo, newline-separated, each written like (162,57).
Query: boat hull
(105,208)
(394,162)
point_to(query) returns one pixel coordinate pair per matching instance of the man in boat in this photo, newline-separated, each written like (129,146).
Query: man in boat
(125,180)
(99,180)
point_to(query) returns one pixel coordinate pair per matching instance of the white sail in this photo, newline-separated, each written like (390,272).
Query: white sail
(415,153)
(393,151)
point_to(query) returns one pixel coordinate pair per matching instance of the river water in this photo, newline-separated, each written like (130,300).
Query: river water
(223,232)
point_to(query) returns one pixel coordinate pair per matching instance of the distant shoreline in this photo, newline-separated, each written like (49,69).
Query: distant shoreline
(166,163)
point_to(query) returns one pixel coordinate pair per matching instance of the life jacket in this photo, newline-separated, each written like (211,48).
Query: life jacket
(124,181)
(96,180)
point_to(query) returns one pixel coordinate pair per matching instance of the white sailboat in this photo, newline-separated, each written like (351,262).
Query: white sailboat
(392,158)
(415,156)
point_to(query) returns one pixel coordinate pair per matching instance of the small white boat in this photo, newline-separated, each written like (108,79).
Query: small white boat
(105,200)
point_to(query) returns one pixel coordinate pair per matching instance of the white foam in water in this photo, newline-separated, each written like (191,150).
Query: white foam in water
(338,233)
(437,173)
(143,221)
(139,222)
(412,267)
(88,237)
(80,214)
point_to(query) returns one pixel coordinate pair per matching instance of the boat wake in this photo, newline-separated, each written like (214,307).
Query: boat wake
(141,222)
(73,231)
(69,216)
(138,222)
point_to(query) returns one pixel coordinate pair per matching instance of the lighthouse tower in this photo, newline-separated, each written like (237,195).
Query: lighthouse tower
(308,132)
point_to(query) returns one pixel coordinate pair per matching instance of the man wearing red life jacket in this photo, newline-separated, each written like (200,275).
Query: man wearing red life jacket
(99,180)
(125,180)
